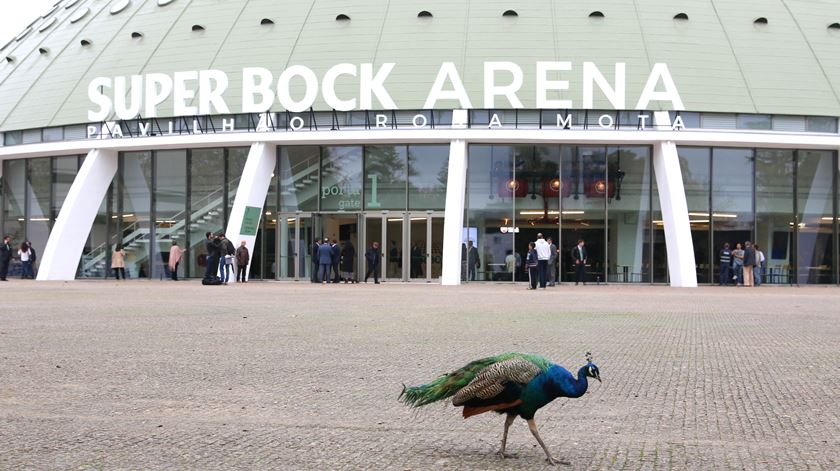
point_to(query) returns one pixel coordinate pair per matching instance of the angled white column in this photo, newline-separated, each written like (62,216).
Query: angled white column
(456,185)
(247,208)
(72,227)
(666,165)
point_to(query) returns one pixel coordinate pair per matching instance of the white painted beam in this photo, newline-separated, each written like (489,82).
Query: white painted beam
(666,165)
(72,227)
(456,185)
(251,193)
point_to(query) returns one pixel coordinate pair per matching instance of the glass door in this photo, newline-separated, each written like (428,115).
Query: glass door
(425,246)
(294,237)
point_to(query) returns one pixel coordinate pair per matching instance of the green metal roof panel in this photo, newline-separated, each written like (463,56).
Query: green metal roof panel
(720,60)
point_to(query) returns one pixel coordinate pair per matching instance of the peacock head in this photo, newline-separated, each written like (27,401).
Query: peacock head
(591,369)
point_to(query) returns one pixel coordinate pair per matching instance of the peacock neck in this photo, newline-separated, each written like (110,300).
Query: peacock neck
(579,385)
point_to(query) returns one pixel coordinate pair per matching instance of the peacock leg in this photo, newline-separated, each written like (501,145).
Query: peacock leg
(508,421)
(533,426)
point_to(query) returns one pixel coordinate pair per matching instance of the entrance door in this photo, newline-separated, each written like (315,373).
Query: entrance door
(343,229)
(294,236)
(424,246)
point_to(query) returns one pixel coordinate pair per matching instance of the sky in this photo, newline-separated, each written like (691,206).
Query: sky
(15,15)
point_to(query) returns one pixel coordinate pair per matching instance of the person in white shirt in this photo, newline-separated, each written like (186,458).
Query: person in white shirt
(760,263)
(543,254)
(25,261)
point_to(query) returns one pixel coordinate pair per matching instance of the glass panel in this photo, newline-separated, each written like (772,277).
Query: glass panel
(754,121)
(14,187)
(437,247)
(135,203)
(299,178)
(373,232)
(695,166)
(64,172)
(417,267)
(584,169)
(814,255)
(341,178)
(286,257)
(538,206)
(629,214)
(428,167)
(307,236)
(660,250)
(732,202)
(385,177)
(170,208)
(774,173)
(96,255)
(820,124)
(237,156)
(489,218)
(40,183)
(207,177)
(11,138)
(53,134)
(394,257)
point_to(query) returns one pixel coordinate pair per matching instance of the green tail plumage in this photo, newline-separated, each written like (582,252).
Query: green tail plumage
(447,385)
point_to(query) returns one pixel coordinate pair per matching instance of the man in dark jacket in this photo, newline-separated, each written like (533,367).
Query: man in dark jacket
(579,256)
(725,258)
(5,257)
(473,261)
(214,249)
(749,263)
(335,251)
(315,263)
(373,257)
(324,261)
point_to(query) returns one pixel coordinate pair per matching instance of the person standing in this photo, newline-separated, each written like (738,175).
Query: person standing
(532,265)
(25,261)
(580,258)
(226,251)
(552,262)
(324,261)
(5,257)
(373,257)
(175,254)
(760,263)
(725,257)
(738,265)
(315,262)
(749,264)
(348,262)
(212,246)
(473,261)
(335,252)
(242,259)
(543,254)
(118,262)
(33,257)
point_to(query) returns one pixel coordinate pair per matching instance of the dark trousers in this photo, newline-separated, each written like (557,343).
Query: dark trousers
(472,272)
(542,265)
(4,269)
(552,271)
(315,271)
(119,271)
(240,272)
(324,272)
(212,268)
(533,274)
(174,272)
(337,275)
(580,273)
(725,274)
(372,269)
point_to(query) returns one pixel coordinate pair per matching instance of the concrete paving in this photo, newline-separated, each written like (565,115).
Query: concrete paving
(166,375)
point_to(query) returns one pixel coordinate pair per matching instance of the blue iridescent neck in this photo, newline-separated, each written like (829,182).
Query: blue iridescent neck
(581,383)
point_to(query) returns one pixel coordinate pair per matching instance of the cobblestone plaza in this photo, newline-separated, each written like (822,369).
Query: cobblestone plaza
(151,375)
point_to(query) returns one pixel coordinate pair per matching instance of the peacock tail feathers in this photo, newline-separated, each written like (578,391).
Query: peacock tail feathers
(476,379)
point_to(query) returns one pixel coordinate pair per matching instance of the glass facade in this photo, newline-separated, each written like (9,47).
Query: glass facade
(786,201)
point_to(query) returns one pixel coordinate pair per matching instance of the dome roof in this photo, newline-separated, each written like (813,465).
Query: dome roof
(721,58)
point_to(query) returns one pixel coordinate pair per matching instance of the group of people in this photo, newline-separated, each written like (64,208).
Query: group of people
(334,263)
(25,253)
(542,257)
(221,257)
(742,266)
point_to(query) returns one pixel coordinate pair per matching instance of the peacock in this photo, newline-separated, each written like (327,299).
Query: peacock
(511,383)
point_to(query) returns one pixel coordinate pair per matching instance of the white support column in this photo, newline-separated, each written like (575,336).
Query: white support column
(72,227)
(250,196)
(666,165)
(456,185)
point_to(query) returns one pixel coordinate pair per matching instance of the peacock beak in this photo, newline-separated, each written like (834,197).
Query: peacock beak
(598,377)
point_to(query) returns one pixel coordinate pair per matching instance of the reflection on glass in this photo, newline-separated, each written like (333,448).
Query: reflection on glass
(695,163)
(584,170)
(134,212)
(394,254)
(385,177)
(373,233)
(537,210)
(341,178)
(815,260)
(774,173)
(170,207)
(436,244)
(629,214)
(491,189)
(207,175)
(14,187)
(299,178)
(428,167)
(732,199)
(417,250)
(237,156)
(38,223)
